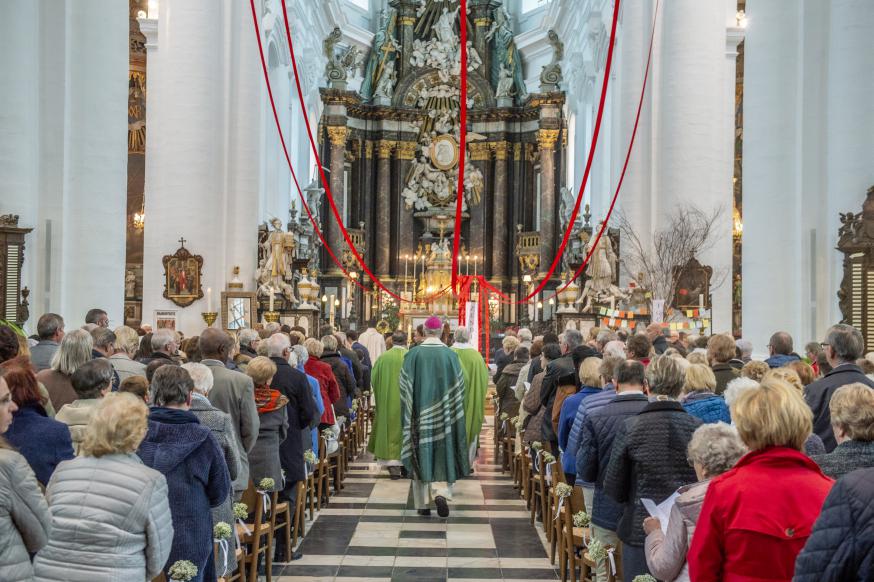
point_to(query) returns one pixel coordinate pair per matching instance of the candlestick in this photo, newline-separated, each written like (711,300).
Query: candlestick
(209,299)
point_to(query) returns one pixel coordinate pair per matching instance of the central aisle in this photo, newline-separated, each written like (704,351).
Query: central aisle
(371,531)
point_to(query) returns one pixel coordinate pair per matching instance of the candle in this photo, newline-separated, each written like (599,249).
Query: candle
(467,265)
(612,303)
(406,263)
(331,307)
(415,266)
(474,265)
(272,297)
(701,301)
(209,299)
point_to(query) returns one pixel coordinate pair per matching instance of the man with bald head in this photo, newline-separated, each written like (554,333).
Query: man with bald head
(780,349)
(232,392)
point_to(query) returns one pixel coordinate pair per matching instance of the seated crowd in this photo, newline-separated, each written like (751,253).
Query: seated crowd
(765,465)
(120,450)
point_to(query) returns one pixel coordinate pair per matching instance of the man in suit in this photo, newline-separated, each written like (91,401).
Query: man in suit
(302,414)
(234,393)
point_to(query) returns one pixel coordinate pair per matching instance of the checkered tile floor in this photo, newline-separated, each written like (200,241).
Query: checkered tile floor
(370,531)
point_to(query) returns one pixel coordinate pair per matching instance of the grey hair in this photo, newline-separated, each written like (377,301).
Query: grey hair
(48,325)
(171,385)
(247,336)
(201,375)
(846,341)
(162,337)
(302,354)
(615,348)
(717,447)
(665,376)
(462,334)
(745,346)
(330,343)
(525,334)
(572,339)
(276,344)
(737,387)
(341,338)
(102,337)
(126,340)
(432,332)
(606,336)
(292,359)
(74,351)
(272,327)
(91,378)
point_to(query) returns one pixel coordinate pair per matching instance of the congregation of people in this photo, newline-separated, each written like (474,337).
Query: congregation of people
(764,466)
(120,450)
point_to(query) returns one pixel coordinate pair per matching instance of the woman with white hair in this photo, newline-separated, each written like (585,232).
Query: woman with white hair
(222,428)
(127,342)
(74,351)
(713,450)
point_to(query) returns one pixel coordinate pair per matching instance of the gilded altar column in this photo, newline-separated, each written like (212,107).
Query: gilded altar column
(547,139)
(337,134)
(383,207)
(500,226)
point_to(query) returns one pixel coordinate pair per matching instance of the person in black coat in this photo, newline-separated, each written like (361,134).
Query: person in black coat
(655,333)
(548,338)
(841,546)
(852,416)
(596,443)
(301,408)
(843,346)
(648,459)
(345,379)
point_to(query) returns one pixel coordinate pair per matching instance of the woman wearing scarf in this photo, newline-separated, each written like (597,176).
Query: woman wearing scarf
(264,457)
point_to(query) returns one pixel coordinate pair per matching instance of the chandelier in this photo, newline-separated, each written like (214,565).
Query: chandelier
(139,219)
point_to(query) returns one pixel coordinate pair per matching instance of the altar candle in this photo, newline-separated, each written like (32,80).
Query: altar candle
(271,298)
(474,265)
(701,302)
(415,267)
(612,303)
(209,299)
(406,263)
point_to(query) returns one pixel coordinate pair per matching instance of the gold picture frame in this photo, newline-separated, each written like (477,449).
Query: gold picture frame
(183,273)
(239,310)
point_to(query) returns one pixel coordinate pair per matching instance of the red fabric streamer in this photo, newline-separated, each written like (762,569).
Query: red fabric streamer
(456,242)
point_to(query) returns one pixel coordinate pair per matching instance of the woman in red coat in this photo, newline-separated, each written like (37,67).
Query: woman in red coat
(327,382)
(757,516)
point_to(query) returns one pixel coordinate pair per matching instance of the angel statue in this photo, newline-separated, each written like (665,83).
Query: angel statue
(505,83)
(599,274)
(385,87)
(506,53)
(383,45)
(445,27)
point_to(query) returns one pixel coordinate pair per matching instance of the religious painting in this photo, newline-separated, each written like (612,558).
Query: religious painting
(238,310)
(165,319)
(444,152)
(182,275)
(693,286)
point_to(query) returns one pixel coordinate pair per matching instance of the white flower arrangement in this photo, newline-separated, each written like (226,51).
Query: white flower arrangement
(504,416)
(341,420)
(355,406)
(241,510)
(537,445)
(563,490)
(182,571)
(221,531)
(328,433)
(582,519)
(266,484)
(548,458)
(596,550)
(309,456)
(644,578)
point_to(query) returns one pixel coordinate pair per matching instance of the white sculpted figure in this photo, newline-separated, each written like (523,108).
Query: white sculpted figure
(445,27)
(276,272)
(505,83)
(599,274)
(386,85)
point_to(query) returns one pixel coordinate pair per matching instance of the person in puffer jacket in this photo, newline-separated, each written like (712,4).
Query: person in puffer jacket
(713,450)
(698,397)
(841,546)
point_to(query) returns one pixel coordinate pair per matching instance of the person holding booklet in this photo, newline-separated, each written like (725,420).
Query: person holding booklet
(713,450)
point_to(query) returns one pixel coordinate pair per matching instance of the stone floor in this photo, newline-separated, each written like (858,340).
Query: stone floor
(370,531)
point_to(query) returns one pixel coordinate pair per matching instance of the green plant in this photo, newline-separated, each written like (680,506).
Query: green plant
(548,458)
(504,416)
(13,326)
(644,578)
(182,571)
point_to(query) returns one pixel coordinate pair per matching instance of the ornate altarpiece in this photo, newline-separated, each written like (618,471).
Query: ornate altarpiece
(13,298)
(856,295)
(391,148)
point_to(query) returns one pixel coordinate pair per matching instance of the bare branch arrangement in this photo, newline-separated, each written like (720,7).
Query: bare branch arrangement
(659,264)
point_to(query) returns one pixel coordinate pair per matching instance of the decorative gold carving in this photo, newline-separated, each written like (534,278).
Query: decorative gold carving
(479,151)
(541,99)
(136,112)
(564,138)
(406,150)
(501,148)
(407,20)
(484,22)
(368,149)
(517,151)
(354,151)
(531,152)
(337,134)
(444,152)
(385,148)
(547,138)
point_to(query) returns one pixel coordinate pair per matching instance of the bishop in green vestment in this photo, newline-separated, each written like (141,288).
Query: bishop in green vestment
(476,384)
(385,439)
(434,433)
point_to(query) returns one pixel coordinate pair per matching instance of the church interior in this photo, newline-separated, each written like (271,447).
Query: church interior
(585,174)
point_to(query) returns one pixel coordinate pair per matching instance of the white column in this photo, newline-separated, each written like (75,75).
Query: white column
(692,150)
(850,135)
(185,162)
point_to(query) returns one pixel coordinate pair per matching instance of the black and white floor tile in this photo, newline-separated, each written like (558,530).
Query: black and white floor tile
(370,532)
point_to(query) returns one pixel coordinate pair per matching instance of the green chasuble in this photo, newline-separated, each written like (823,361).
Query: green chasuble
(385,439)
(432,401)
(476,384)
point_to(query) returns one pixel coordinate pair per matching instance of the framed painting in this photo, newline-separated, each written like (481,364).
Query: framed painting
(238,310)
(182,276)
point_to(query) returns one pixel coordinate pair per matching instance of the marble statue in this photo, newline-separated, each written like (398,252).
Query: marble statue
(445,27)
(506,53)
(383,45)
(505,83)
(274,273)
(600,271)
(566,206)
(551,75)
(130,284)
(385,86)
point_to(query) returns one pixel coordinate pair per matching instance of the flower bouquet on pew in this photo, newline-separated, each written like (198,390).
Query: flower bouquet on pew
(182,571)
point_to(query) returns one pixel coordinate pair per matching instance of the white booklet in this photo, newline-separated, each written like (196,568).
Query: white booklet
(662,511)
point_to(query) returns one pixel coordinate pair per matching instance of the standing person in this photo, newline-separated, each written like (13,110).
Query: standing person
(164,346)
(232,392)
(350,358)
(273,416)
(249,341)
(97,317)
(698,398)
(126,344)
(590,381)
(504,388)
(757,516)
(505,354)
(842,347)
(780,350)
(43,441)
(563,367)
(373,341)
(432,402)
(92,381)
(648,459)
(655,333)
(852,418)
(327,382)
(103,347)
(476,385)
(385,439)
(75,350)
(720,353)
(110,515)
(24,514)
(597,437)
(50,329)
(302,355)
(189,457)
(531,406)
(345,378)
